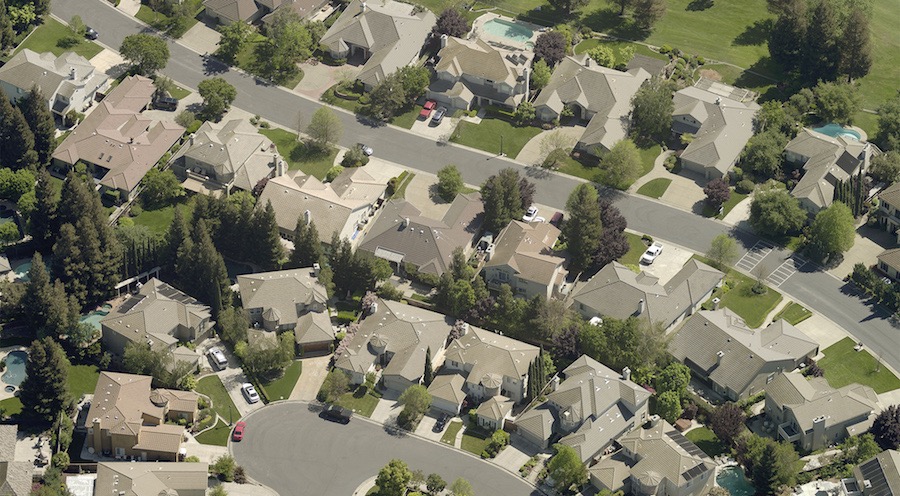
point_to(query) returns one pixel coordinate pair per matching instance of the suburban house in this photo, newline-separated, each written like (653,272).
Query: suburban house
(68,82)
(447,393)
(888,213)
(395,337)
(128,419)
(598,95)
(384,34)
(655,459)
(592,407)
(228,11)
(118,143)
(220,157)
(343,205)
(15,476)
(491,414)
(472,73)
(814,415)
(151,479)
(826,162)
(889,263)
(157,315)
(401,234)
(653,66)
(303,8)
(617,292)
(735,360)
(878,476)
(314,333)
(721,119)
(523,258)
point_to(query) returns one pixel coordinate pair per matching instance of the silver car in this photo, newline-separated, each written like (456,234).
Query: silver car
(250,393)
(652,252)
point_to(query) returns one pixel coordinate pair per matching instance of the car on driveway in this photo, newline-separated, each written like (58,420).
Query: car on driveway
(238,433)
(90,33)
(441,423)
(250,393)
(530,214)
(438,116)
(652,252)
(366,149)
(218,358)
(338,414)
(427,109)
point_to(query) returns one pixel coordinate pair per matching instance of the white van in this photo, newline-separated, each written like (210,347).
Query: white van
(218,358)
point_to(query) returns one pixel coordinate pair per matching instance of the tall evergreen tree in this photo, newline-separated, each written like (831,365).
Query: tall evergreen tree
(204,275)
(822,56)
(42,222)
(35,290)
(788,35)
(7,35)
(175,237)
(16,138)
(45,390)
(428,376)
(68,264)
(856,45)
(583,227)
(268,251)
(307,247)
(40,121)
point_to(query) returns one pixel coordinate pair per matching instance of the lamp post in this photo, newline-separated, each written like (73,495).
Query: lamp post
(501,145)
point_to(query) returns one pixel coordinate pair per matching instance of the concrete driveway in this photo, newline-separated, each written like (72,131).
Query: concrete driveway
(311,378)
(109,62)
(201,38)
(232,377)
(531,153)
(668,263)
(423,127)
(867,245)
(317,78)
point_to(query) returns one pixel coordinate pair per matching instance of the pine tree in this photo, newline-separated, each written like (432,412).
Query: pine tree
(45,390)
(583,227)
(207,278)
(74,201)
(35,290)
(16,138)
(268,252)
(822,56)
(42,221)
(68,263)
(307,247)
(40,121)
(178,232)
(429,373)
(788,35)
(7,35)
(856,46)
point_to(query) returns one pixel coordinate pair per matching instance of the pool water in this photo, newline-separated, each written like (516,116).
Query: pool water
(96,316)
(836,130)
(22,272)
(508,30)
(15,368)
(733,479)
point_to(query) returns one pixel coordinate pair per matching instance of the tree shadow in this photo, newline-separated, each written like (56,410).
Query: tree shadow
(755,34)
(213,66)
(608,20)
(369,121)
(544,15)
(699,5)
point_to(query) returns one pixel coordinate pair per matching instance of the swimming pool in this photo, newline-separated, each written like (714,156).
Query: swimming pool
(836,130)
(96,316)
(733,479)
(22,271)
(15,368)
(509,30)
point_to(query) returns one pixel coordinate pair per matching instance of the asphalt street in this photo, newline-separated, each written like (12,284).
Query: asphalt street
(816,290)
(340,457)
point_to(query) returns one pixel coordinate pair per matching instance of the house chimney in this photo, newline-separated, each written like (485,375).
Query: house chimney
(587,61)
(626,374)
(316,269)
(405,223)
(72,74)
(307,216)
(443,40)
(280,167)
(718,101)
(641,305)
(719,355)
(715,302)
(554,383)
(362,7)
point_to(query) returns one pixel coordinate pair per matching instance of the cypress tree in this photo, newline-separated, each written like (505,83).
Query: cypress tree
(36,288)
(856,46)
(7,35)
(68,264)
(429,373)
(788,35)
(268,252)
(16,139)
(207,276)
(178,232)
(45,390)
(40,121)
(42,221)
(307,247)
(822,57)
(583,227)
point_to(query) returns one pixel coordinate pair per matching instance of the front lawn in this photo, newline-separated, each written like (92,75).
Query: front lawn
(362,401)
(178,92)
(449,436)
(488,134)
(217,436)
(403,181)
(83,379)
(737,295)
(46,36)
(843,365)
(408,118)
(707,441)
(281,388)
(794,313)
(475,440)
(10,406)
(637,248)
(212,386)
(655,188)
(299,155)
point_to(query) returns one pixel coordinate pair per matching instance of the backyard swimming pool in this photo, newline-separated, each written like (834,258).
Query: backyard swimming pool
(733,479)
(15,368)
(836,130)
(509,30)
(96,316)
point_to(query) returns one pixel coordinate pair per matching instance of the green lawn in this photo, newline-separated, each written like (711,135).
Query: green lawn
(281,388)
(639,49)
(751,307)
(733,200)
(212,386)
(633,257)
(217,436)
(487,135)
(843,365)
(655,188)
(405,178)
(362,401)
(298,155)
(11,406)
(159,220)
(408,118)
(246,59)
(737,77)
(475,440)
(83,379)
(591,168)
(580,169)
(706,440)
(178,92)
(45,38)
(449,436)
(794,313)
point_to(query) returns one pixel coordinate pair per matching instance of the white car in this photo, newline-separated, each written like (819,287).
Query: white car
(218,357)
(366,149)
(652,252)
(530,214)
(250,393)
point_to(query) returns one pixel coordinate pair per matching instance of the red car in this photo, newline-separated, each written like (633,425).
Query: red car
(238,433)
(427,108)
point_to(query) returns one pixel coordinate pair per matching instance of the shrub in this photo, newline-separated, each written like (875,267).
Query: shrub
(224,467)
(744,186)
(68,41)
(473,415)
(647,239)
(333,173)
(389,292)
(60,460)
(240,476)
(136,210)
(665,49)
(354,158)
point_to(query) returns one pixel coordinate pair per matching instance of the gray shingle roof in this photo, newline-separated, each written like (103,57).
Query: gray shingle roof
(232,10)
(150,478)
(49,72)
(495,408)
(537,422)
(314,327)
(477,58)
(448,388)
(527,248)
(809,399)
(281,291)
(596,434)
(660,456)
(491,353)
(15,476)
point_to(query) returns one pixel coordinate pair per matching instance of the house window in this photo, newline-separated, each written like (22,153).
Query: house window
(882,266)
(120,451)
(503,276)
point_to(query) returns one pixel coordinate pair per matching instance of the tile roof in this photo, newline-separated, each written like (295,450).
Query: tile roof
(50,73)
(302,7)
(151,478)
(401,231)
(15,476)
(537,422)
(448,388)
(313,327)
(611,472)
(527,248)
(490,353)
(891,194)
(663,453)
(810,399)
(596,434)
(281,291)
(118,138)
(232,10)
(890,257)
(478,59)
(495,408)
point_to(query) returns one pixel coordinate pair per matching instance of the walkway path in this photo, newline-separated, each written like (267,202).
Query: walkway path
(130,7)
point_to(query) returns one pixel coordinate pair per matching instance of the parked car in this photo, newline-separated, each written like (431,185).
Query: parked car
(238,433)
(530,214)
(652,252)
(218,358)
(366,149)
(165,103)
(427,109)
(441,423)
(438,116)
(338,414)
(557,219)
(250,393)
(90,33)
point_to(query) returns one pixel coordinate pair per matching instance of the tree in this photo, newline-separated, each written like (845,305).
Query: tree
(651,111)
(336,384)
(886,428)
(775,469)
(461,487)
(21,16)
(224,466)
(717,193)
(415,400)
(788,34)
(267,250)
(16,138)
(886,167)
(858,449)
(668,406)
(506,195)
(146,52)
(822,56)
(524,113)
(393,479)
(832,232)
(45,390)
(622,164)
(647,12)
(325,128)
(550,47)
(451,23)
(201,269)
(603,55)
(774,212)
(7,35)
(233,324)
(674,377)
(161,188)
(762,155)
(234,38)
(288,42)
(307,247)
(722,251)
(856,45)
(435,484)
(217,96)
(555,148)
(836,102)
(450,183)
(37,114)
(582,228)
(540,75)
(727,422)
(388,97)
(14,184)
(889,124)
(265,360)
(566,468)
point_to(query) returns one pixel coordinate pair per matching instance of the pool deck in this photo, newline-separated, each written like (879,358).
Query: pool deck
(4,394)
(503,42)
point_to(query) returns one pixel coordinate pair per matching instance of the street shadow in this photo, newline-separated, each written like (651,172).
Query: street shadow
(537,172)
(367,121)
(391,428)
(213,66)
(755,34)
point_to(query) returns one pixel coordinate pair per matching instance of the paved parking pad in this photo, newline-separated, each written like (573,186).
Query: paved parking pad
(787,268)
(756,255)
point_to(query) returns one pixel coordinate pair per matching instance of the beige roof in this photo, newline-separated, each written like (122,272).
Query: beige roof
(882,472)
(891,194)
(393,32)
(151,478)
(118,138)
(495,408)
(15,476)
(155,313)
(828,161)
(294,194)
(302,7)
(809,399)
(527,248)
(663,453)
(537,422)
(314,327)
(234,150)
(616,291)
(891,258)
(611,472)
(597,434)
(478,59)
(491,353)
(50,73)
(281,291)
(401,232)
(448,388)
(744,352)
(232,10)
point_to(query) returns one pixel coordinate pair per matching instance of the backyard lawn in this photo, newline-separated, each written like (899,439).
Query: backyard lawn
(633,257)
(794,313)
(212,386)
(46,36)
(10,406)
(299,155)
(83,380)
(159,220)
(475,440)
(655,188)
(362,401)
(281,388)
(706,440)
(217,436)
(449,436)
(843,365)
(590,43)
(740,299)
(488,134)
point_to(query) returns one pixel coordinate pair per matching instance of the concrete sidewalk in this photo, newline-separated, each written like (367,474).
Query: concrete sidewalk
(130,7)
